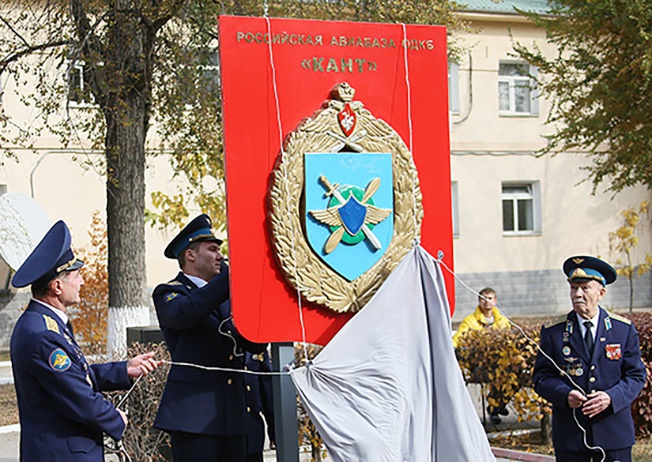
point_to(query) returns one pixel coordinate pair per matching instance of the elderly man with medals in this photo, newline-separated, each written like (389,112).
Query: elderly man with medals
(594,370)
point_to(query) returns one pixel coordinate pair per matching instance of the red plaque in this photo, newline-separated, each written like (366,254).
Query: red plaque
(277,72)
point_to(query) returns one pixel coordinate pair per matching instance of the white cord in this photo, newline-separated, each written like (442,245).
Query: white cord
(281,148)
(228,334)
(226,369)
(410,132)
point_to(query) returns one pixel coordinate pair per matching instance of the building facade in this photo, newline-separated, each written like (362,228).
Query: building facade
(517,215)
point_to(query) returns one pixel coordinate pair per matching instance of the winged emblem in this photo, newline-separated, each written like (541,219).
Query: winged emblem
(350,215)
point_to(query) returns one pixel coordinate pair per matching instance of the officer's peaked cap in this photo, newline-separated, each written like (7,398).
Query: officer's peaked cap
(585,267)
(51,257)
(198,229)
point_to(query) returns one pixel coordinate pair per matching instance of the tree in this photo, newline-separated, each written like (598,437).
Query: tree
(600,84)
(624,240)
(144,60)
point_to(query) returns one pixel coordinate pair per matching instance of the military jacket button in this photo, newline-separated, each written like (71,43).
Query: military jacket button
(592,379)
(229,381)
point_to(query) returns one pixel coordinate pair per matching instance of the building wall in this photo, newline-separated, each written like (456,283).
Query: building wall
(488,150)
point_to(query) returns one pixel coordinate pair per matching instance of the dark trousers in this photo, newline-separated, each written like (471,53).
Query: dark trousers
(257,457)
(190,447)
(613,455)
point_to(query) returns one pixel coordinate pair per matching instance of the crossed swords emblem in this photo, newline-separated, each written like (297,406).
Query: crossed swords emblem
(350,215)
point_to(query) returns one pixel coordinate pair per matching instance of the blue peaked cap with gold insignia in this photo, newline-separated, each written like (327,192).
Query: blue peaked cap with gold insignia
(584,267)
(198,229)
(51,257)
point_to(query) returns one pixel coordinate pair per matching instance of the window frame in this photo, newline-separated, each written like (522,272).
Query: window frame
(534,195)
(454,88)
(77,67)
(512,82)
(455,209)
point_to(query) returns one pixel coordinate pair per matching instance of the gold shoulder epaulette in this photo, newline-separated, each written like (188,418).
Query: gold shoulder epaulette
(620,318)
(51,324)
(554,322)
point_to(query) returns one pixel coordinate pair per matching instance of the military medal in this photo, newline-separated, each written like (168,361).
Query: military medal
(613,351)
(566,350)
(579,371)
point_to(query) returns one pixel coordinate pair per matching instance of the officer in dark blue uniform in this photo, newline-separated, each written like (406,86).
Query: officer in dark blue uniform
(260,406)
(204,410)
(601,370)
(62,412)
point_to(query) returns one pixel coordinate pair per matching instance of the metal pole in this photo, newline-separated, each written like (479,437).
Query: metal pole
(285,405)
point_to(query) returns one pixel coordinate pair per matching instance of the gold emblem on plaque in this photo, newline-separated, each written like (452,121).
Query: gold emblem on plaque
(345,126)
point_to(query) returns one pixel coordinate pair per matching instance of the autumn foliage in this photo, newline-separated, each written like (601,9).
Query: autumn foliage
(505,360)
(642,407)
(89,316)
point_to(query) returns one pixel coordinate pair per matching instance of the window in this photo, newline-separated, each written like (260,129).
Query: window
(521,208)
(211,71)
(455,210)
(79,92)
(516,91)
(454,88)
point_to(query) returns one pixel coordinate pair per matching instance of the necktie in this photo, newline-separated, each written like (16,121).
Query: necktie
(72,332)
(588,337)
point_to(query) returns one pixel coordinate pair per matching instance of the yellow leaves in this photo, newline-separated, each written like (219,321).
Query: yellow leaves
(504,359)
(625,239)
(89,316)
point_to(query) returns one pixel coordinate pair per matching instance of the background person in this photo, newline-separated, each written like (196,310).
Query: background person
(600,352)
(204,411)
(62,411)
(486,316)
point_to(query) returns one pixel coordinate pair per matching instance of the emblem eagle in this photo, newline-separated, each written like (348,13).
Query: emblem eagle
(343,219)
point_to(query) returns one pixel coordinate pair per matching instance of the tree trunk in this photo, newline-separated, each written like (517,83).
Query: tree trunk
(127,111)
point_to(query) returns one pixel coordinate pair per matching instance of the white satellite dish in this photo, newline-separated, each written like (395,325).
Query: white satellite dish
(23,223)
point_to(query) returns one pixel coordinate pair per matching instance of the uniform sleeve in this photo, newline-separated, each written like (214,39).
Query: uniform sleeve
(111,376)
(546,377)
(52,362)
(177,308)
(633,374)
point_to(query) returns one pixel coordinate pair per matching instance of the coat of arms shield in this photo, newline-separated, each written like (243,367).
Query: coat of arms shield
(349,209)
